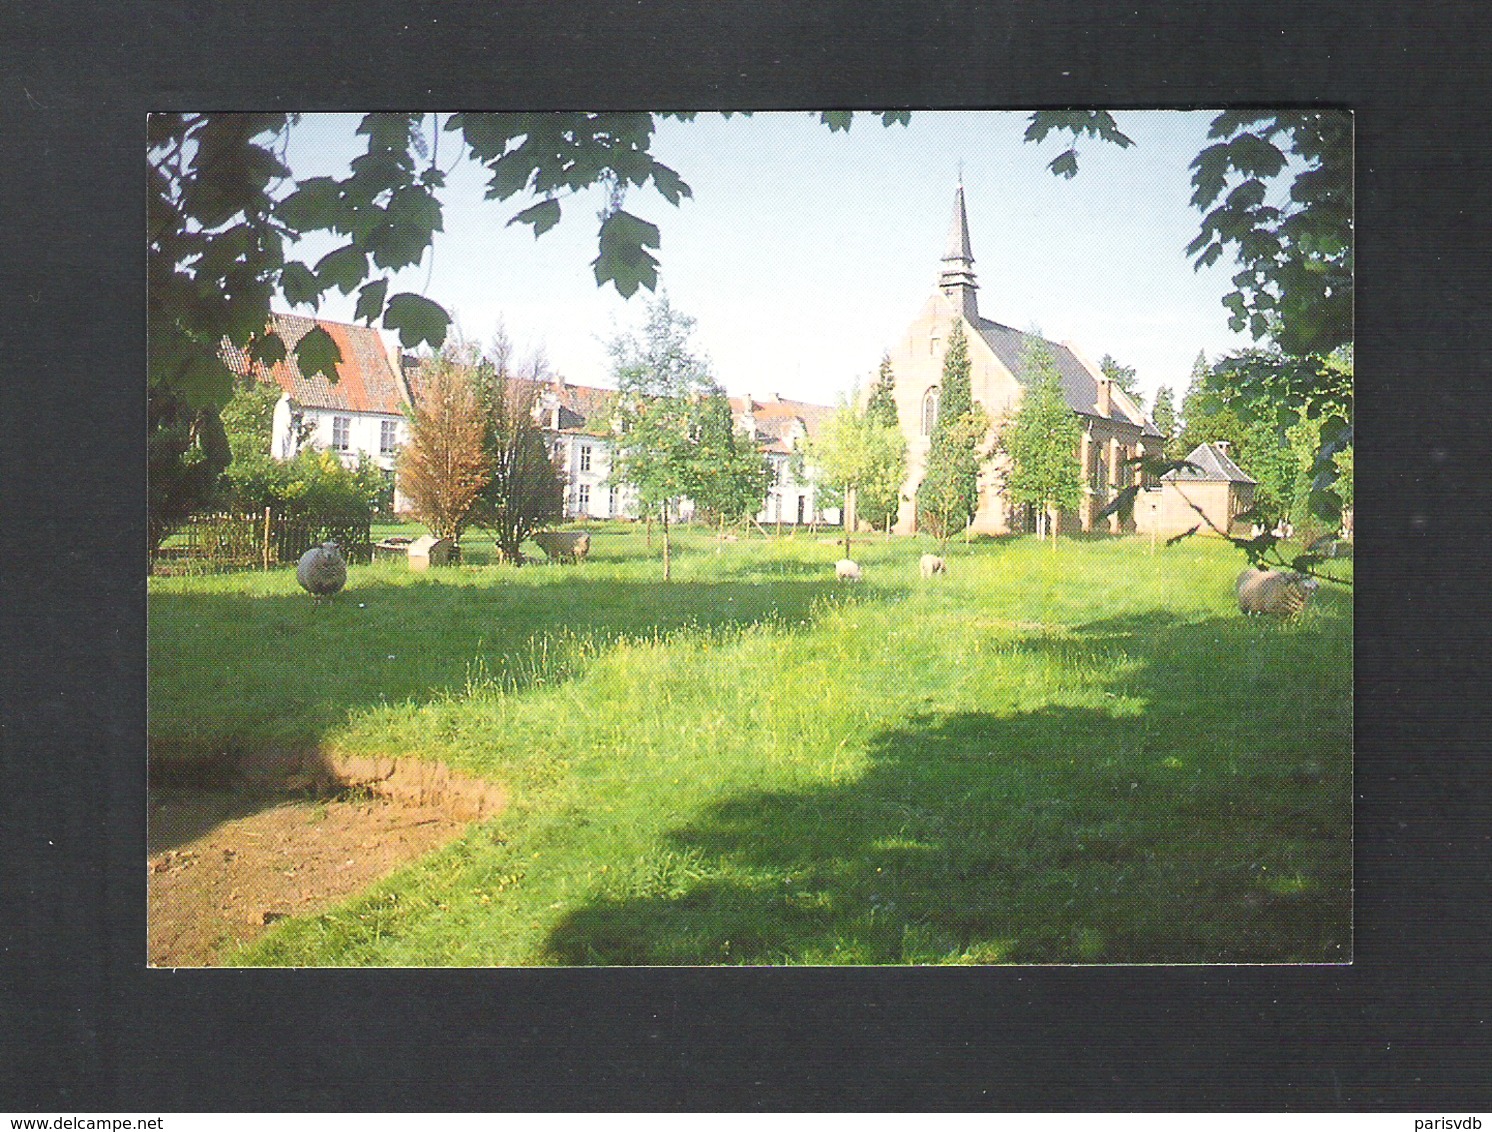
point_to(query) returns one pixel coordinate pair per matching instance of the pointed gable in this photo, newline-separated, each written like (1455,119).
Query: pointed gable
(1211,464)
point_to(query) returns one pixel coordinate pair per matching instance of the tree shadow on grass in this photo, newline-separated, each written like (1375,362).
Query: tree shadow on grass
(1205,817)
(235,675)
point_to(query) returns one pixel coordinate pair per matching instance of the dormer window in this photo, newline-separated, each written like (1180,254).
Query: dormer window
(929,411)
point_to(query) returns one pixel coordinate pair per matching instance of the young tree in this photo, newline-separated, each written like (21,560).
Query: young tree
(1042,441)
(949,492)
(661,382)
(858,457)
(444,467)
(878,499)
(727,477)
(524,491)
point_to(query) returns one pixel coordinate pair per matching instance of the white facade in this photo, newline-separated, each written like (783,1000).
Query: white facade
(586,463)
(379,436)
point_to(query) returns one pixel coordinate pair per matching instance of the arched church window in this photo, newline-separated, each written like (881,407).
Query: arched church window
(929,410)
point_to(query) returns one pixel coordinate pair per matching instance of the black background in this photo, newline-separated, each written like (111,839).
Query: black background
(84,1026)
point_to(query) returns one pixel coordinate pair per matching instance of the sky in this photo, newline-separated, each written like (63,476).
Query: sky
(804,253)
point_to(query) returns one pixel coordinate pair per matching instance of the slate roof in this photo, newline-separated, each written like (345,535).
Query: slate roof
(1213,465)
(1078,384)
(366,379)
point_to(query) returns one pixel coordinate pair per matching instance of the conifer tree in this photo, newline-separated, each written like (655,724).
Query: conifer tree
(949,492)
(878,496)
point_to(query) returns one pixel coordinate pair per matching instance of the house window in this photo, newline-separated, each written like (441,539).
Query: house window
(1100,479)
(613,498)
(585,457)
(583,494)
(341,430)
(929,411)
(388,436)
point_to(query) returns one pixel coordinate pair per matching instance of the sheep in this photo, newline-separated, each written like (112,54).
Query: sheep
(1281,593)
(846,570)
(931,564)
(321,571)
(564,546)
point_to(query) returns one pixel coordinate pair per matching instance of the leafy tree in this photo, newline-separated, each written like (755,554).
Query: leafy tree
(661,382)
(248,418)
(222,207)
(524,491)
(1122,376)
(185,453)
(444,467)
(860,458)
(949,492)
(1293,248)
(1163,413)
(1042,440)
(727,477)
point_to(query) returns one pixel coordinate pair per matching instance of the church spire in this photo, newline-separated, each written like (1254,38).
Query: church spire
(957,278)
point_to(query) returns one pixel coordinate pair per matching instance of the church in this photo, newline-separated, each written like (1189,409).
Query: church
(1115,428)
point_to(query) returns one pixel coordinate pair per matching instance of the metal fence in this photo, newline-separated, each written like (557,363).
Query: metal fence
(207,544)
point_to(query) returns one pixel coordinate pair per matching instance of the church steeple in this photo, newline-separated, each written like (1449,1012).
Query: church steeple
(957,278)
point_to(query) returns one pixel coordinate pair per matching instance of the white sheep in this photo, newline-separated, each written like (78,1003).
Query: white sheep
(1277,592)
(931,564)
(846,570)
(321,571)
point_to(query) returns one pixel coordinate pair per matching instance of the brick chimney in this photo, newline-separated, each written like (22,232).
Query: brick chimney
(1105,396)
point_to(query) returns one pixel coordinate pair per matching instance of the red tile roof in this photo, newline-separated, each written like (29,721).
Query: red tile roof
(366,379)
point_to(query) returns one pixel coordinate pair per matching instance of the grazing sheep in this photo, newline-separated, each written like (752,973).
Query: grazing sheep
(564,546)
(846,570)
(321,571)
(1276,592)
(931,564)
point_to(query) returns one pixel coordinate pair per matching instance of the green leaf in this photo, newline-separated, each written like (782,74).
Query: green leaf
(298,285)
(370,300)
(837,119)
(267,349)
(204,380)
(315,204)
(417,320)
(511,173)
(670,184)
(344,268)
(1065,164)
(543,216)
(316,352)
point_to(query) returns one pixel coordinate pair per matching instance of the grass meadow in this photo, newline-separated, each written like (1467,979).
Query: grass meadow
(1074,756)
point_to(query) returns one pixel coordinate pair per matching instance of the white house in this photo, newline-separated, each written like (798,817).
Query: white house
(362,414)
(780,427)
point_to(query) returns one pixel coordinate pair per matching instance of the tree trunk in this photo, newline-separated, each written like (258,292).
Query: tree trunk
(665,542)
(849,517)
(648,523)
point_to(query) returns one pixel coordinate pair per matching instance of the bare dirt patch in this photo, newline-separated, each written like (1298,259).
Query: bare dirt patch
(288,834)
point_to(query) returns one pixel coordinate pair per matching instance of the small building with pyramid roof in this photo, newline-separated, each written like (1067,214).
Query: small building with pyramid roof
(1207,493)
(1115,427)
